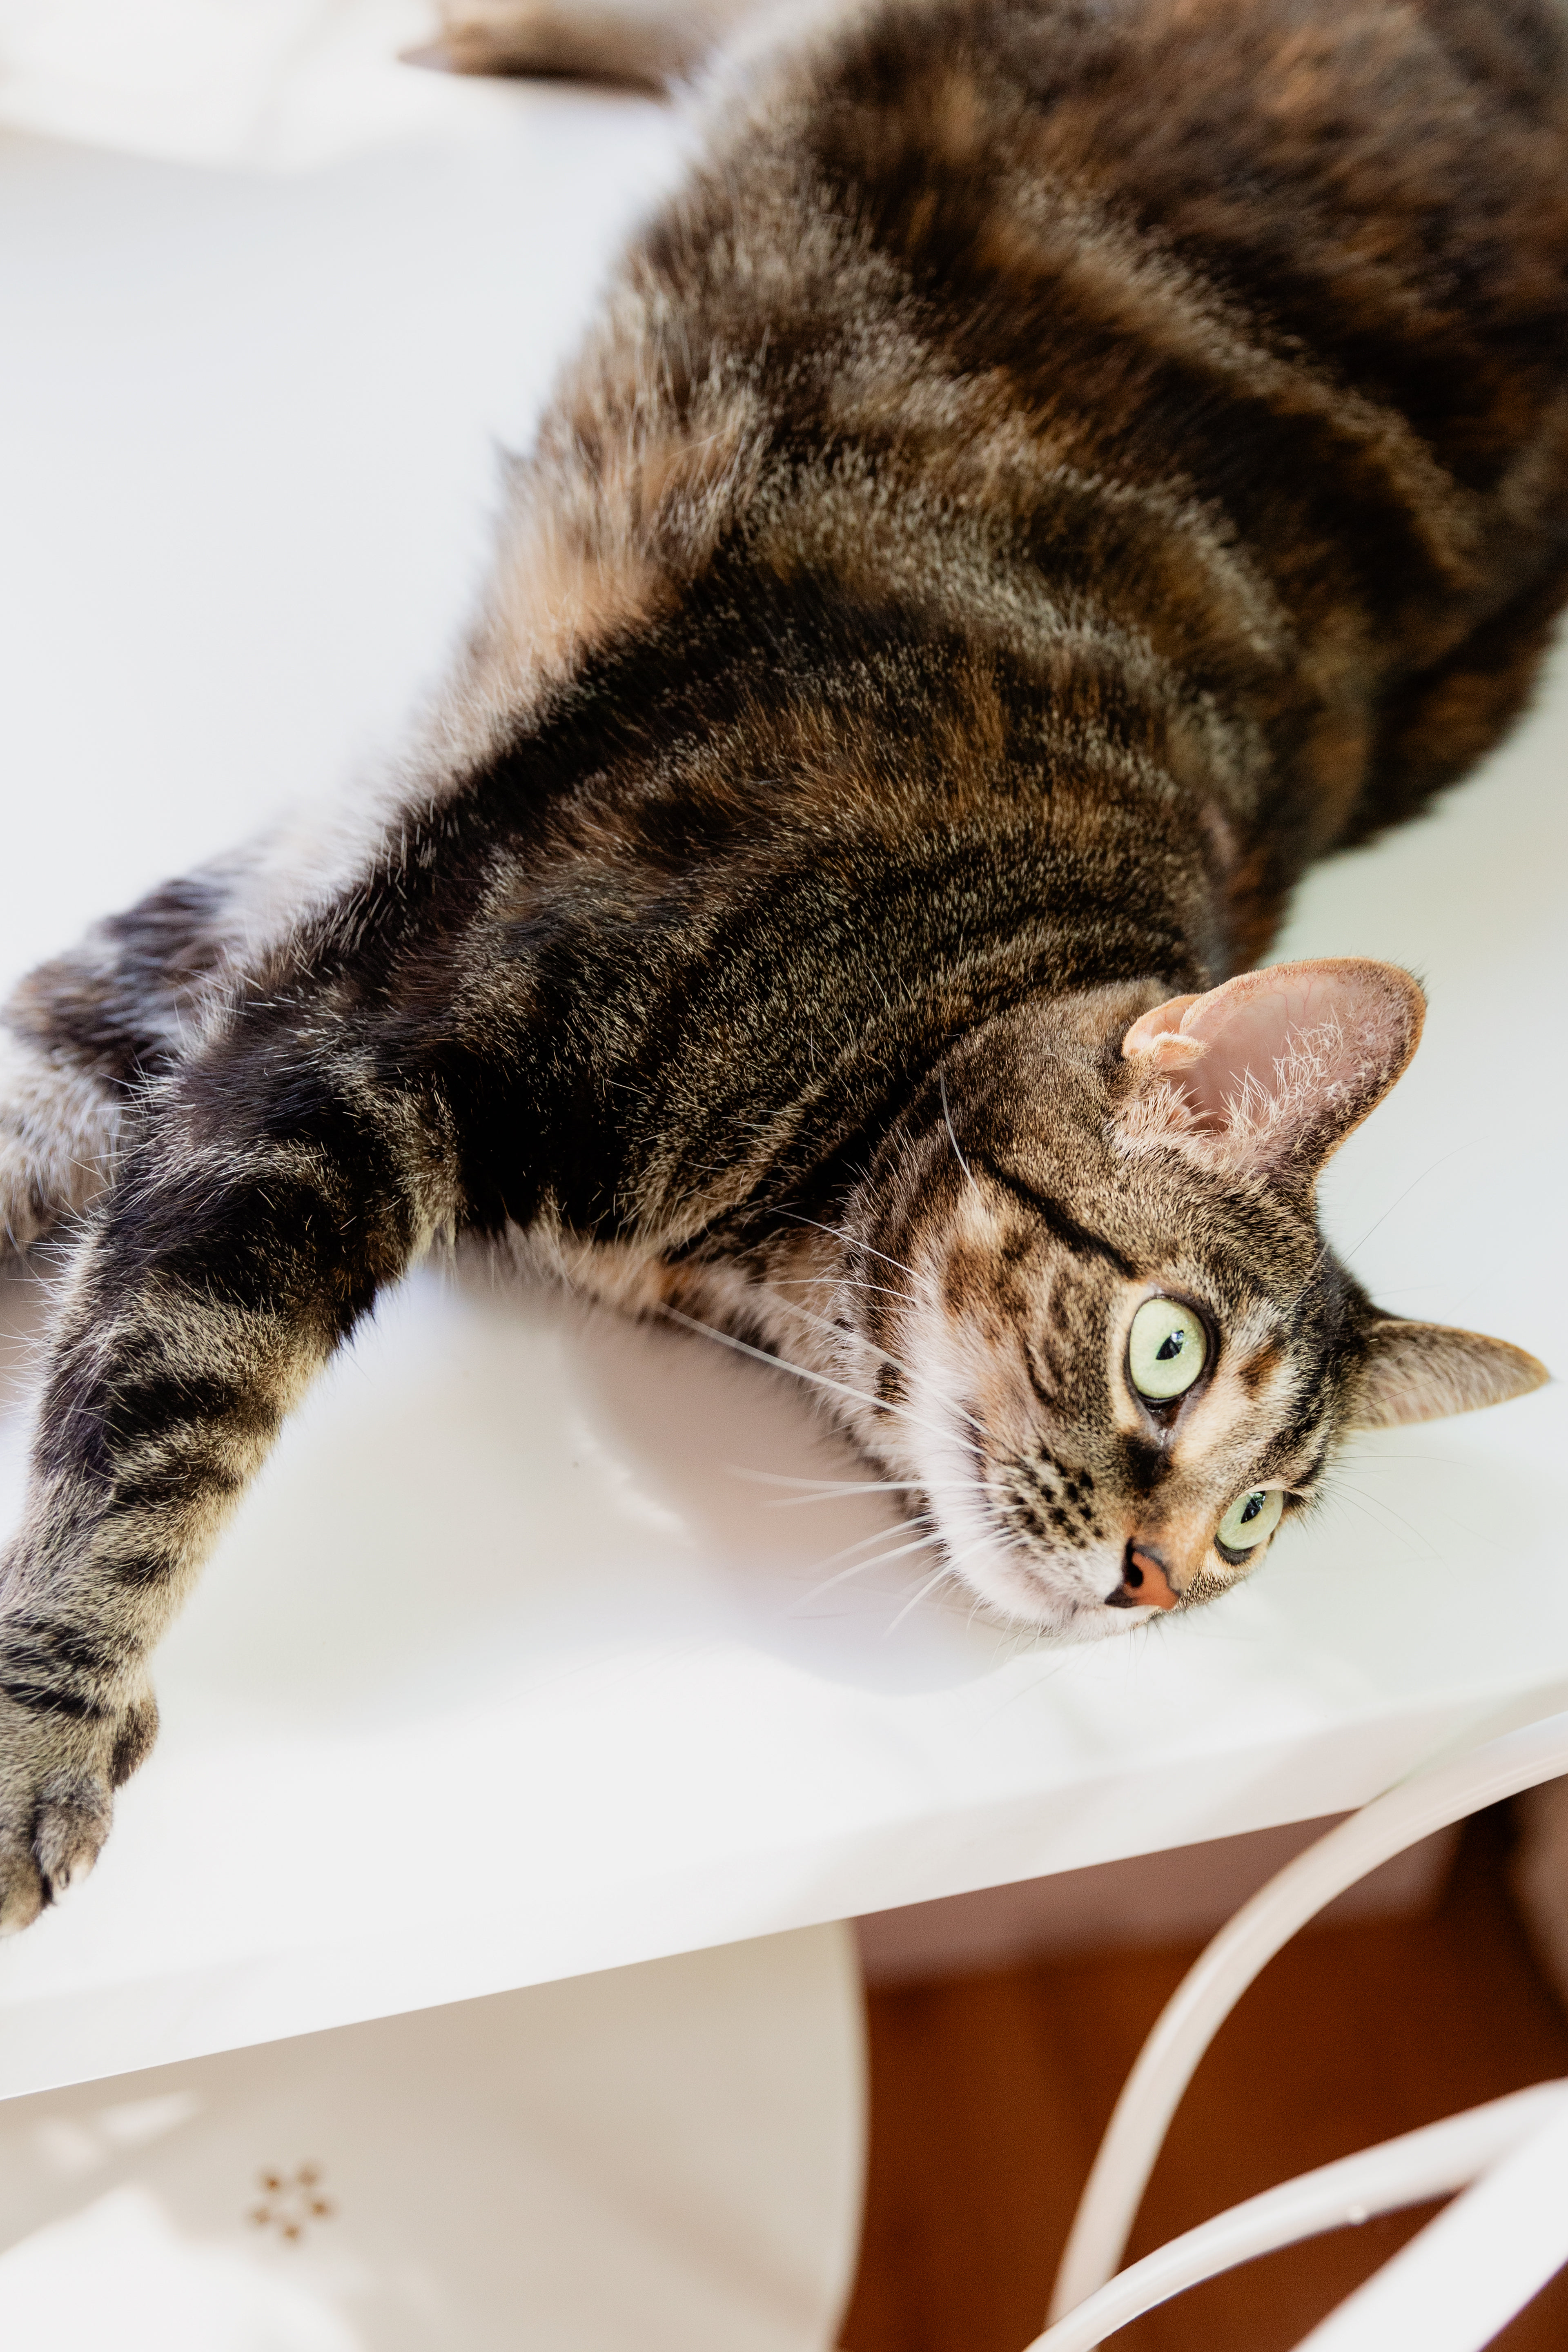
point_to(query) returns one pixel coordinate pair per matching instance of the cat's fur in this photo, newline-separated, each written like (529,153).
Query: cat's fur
(1057,467)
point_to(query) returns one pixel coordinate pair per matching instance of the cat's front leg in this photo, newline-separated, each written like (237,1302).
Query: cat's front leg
(280,1183)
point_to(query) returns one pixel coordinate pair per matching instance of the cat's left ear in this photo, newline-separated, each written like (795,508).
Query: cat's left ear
(1273,1070)
(1424,1371)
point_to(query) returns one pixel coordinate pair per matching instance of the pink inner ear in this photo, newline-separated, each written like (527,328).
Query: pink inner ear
(1248,1025)
(1247,1042)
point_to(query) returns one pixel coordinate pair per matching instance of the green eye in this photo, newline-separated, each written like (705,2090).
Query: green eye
(1165,1349)
(1250,1520)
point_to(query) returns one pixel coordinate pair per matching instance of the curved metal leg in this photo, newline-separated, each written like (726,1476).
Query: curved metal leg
(1428,1801)
(1452,2288)
(1431,2162)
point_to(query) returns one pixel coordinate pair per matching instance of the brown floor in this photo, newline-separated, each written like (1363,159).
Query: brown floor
(989,2093)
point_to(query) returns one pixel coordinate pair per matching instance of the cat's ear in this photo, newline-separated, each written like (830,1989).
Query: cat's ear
(1424,1371)
(1272,1070)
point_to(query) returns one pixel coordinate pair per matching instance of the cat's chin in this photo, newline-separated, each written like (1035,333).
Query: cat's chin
(1053,1599)
(1063,1616)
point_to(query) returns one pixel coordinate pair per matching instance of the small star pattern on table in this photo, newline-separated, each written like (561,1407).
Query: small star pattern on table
(292,2200)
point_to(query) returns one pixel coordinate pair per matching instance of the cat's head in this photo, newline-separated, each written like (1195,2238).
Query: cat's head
(1110,1342)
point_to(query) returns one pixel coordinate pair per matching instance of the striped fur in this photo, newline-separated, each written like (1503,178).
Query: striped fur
(1052,471)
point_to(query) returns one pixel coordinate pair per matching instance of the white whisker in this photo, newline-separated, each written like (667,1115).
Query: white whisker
(859,1568)
(950,1567)
(905,1371)
(801,1371)
(877,1535)
(947,1116)
(852,1240)
(832,1490)
(892,1487)
(841,1486)
(846,1282)
(1374,1505)
(918,1596)
(1401,1197)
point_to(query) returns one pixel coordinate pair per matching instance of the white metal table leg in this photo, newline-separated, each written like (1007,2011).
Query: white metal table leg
(1432,2162)
(1452,2288)
(1427,1801)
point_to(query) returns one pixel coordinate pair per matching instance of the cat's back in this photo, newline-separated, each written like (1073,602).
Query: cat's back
(1243,326)
(1234,227)
(1193,372)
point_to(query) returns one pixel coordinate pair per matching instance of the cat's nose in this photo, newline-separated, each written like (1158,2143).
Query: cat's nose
(1145,1583)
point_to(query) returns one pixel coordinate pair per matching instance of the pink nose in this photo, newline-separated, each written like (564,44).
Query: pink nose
(1143,1580)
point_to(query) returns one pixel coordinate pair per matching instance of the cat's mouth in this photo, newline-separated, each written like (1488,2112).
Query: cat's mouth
(1018,1573)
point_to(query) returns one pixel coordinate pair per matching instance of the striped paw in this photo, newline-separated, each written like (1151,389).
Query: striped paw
(58,1772)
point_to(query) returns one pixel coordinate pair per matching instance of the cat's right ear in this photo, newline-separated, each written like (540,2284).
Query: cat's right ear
(1424,1371)
(1270,1071)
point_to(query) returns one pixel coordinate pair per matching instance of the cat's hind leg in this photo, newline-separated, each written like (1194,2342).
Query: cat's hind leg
(59,1130)
(83,1036)
(83,1032)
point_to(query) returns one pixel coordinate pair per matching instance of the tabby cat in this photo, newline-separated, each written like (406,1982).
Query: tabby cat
(1056,468)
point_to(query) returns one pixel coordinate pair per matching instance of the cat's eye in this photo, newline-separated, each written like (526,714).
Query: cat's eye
(1166,1349)
(1250,1520)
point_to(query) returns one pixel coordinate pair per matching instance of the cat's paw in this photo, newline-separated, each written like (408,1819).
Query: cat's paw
(59,1773)
(59,1128)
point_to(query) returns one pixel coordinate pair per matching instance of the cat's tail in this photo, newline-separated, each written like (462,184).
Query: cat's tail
(643,44)
(646,44)
(282,1183)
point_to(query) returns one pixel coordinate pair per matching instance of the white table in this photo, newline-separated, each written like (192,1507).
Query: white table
(666,2158)
(509,1670)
